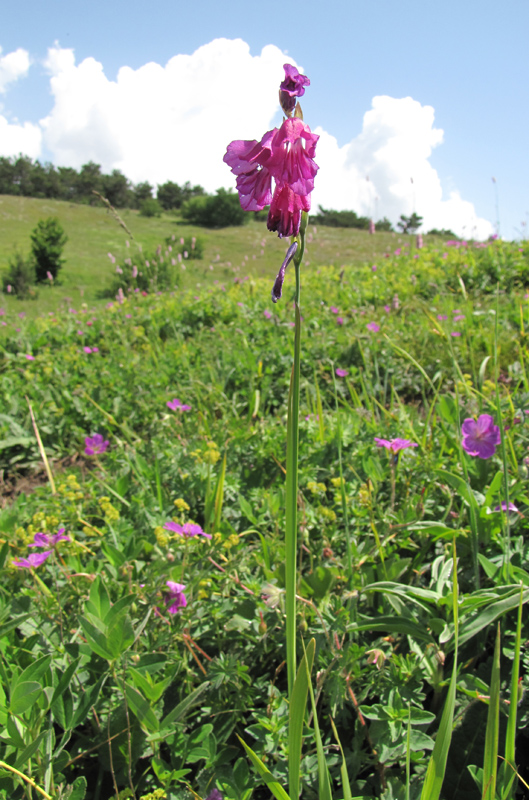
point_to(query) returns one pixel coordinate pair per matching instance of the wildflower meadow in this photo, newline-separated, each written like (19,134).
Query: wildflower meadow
(266,535)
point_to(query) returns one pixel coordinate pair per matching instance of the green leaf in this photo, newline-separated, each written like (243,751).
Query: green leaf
(29,751)
(36,670)
(141,708)
(99,603)
(266,776)
(88,699)
(179,712)
(298,704)
(96,640)
(24,695)
(436,769)
(320,581)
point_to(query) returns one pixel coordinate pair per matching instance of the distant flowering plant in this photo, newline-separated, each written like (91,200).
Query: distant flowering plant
(395,445)
(373,327)
(95,445)
(177,405)
(33,561)
(341,372)
(482,437)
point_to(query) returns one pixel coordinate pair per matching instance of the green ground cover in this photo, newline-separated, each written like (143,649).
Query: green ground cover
(103,686)
(93,233)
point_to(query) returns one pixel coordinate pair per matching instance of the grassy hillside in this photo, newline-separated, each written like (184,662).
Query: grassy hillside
(93,233)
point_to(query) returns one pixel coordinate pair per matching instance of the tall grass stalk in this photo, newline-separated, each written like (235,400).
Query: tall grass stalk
(291,498)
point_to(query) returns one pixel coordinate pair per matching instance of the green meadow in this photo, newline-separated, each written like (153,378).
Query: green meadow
(142,518)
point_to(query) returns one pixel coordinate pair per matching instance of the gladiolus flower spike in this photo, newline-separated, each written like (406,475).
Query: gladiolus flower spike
(284,155)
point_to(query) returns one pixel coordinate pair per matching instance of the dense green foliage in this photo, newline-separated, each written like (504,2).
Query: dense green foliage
(339,219)
(221,210)
(24,177)
(89,650)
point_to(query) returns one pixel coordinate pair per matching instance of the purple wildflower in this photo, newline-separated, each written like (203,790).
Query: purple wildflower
(482,437)
(189,529)
(373,327)
(33,561)
(395,445)
(504,507)
(342,372)
(267,313)
(30,357)
(95,445)
(177,405)
(175,596)
(45,540)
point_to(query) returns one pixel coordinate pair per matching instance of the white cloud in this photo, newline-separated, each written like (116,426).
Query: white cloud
(15,139)
(173,122)
(385,170)
(13,66)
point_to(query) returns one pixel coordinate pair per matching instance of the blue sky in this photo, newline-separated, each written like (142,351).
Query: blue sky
(466,60)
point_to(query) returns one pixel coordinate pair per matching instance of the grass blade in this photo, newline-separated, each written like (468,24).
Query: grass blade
(298,704)
(435,773)
(508,771)
(490,758)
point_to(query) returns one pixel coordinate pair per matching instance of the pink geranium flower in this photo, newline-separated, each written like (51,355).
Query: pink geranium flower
(33,561)
(45,539)
(175,597)
(395,445)
(373,327)
(189,529)
(482,437)
(95,445)
(177,405)
(341,372)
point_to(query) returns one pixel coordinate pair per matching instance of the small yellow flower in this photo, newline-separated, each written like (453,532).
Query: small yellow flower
(181,504)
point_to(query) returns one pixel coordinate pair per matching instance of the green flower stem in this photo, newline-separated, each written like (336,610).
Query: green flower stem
(291,526)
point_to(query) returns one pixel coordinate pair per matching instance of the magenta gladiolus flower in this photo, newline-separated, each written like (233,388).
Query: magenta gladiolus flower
(175,596)
(341,372)
(95,445)
(293,86)
(395,445)
(177,405)
(33,561)
(45,540)
(286,155)
(482,437)
(189,529)
(373,327)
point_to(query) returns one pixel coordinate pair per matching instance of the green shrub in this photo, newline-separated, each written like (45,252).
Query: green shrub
(215,211)
(150,208)
(147,272)
(20,277)
(47,242)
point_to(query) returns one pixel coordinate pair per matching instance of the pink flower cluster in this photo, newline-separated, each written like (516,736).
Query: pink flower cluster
(284,154)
